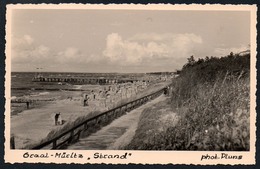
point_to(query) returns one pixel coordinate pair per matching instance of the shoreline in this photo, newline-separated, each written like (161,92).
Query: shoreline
(47,89)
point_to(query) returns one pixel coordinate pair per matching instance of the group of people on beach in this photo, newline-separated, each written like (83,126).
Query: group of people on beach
(92,96)
(111,92)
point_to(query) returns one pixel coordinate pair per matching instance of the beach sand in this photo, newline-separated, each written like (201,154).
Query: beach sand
(32,125)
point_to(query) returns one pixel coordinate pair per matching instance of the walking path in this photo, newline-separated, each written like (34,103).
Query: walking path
(117,134)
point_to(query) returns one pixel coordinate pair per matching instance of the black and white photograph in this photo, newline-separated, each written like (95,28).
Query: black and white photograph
(125,79)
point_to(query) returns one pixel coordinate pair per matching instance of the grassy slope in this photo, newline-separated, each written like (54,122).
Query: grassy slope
(153,121)
(212,115)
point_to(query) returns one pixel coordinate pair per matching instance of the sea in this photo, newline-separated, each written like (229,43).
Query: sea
(22,84)
(23,88)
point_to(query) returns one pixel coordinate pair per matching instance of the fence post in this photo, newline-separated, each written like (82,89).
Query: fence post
(110,116)
(126,108)
(122,111)
(104,118)
(12,142)
(134,104)
(129,107)
(86,126)
(54,144)
(71,136)
(116,113)
(97,120)
(78,134)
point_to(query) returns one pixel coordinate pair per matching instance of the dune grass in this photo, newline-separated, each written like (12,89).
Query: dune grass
(211,101)
(211,116)
(151,125)
(214,117)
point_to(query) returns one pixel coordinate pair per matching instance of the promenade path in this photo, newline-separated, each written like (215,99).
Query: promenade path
(117,134)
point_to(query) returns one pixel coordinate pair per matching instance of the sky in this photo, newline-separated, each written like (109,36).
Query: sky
(92,40)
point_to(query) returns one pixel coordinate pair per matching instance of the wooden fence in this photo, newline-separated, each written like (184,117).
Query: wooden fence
(72,135)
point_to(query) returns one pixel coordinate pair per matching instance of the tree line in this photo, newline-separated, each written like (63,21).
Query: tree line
(209,68)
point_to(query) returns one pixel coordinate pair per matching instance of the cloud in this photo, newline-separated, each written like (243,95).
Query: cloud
(69,54)
(28,39)
(166,37)
(73,55)
(147,51)
(22,42)
(227,51)
(24,50)
(151,48)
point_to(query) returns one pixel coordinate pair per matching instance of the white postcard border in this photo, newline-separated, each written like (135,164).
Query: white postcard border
(137,157)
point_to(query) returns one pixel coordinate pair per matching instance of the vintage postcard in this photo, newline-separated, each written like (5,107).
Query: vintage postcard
(140,84)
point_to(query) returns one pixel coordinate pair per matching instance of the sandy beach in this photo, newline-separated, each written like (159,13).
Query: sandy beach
(32,125)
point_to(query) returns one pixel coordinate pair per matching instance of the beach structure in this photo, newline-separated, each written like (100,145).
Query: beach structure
(81,80)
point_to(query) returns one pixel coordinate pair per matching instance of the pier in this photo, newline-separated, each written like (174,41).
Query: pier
(78,80)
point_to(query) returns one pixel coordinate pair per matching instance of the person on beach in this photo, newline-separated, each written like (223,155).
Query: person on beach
(85,101)
(59,119)
(56,118)
(93,94)
(27,104)
(166,91)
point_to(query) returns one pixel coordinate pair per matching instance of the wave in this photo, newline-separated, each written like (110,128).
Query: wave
(13,97)
(40,94)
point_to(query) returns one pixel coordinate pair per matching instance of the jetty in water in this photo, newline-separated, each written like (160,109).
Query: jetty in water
(82,80)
